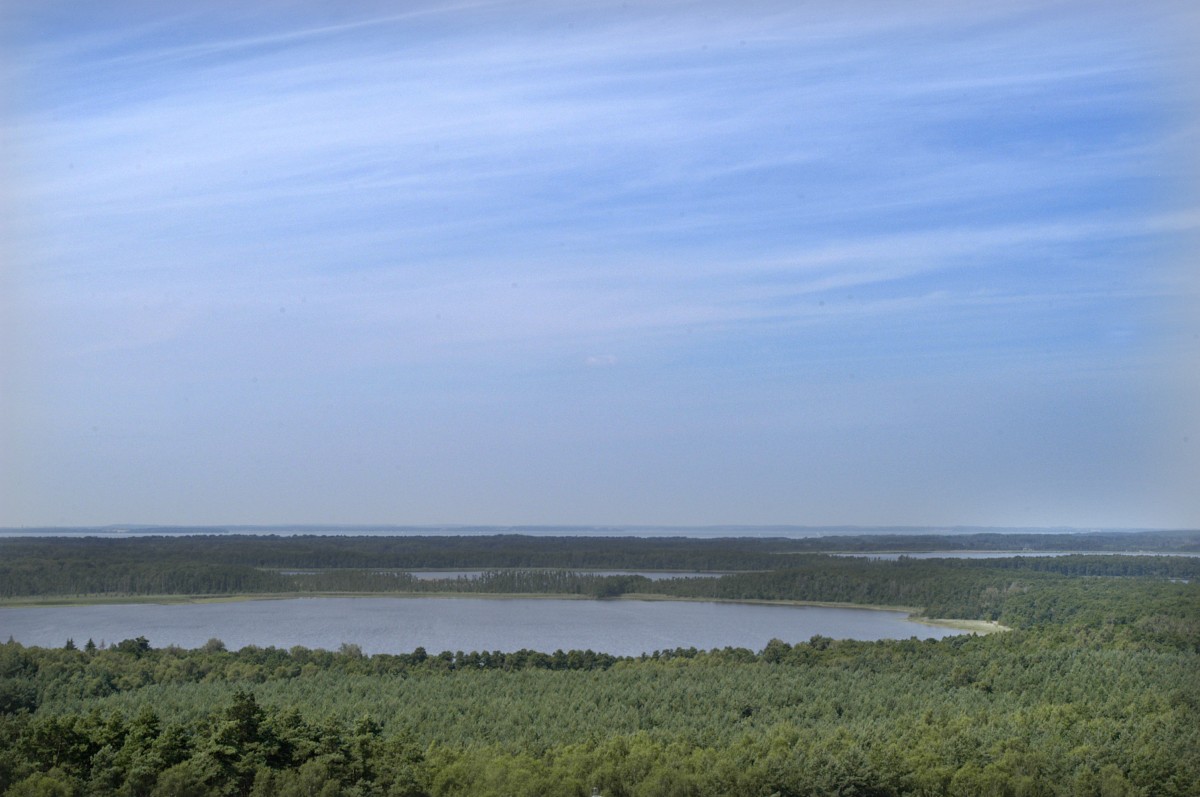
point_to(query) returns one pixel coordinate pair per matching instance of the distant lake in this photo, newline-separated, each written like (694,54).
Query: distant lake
(892,556)
(398,625)
(471,575)
(434,575)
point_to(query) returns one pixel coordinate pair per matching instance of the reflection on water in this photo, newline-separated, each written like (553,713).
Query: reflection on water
(398,625)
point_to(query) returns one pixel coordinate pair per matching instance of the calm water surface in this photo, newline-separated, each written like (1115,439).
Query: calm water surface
(471,575)
(653,575)
(1006,554)
(398,625)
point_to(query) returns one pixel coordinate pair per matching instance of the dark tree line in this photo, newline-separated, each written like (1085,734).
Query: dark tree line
(1095,693)
(1018,591)
(510,551)
(1061,710)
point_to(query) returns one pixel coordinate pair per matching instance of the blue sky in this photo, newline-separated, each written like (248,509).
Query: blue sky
(667,262)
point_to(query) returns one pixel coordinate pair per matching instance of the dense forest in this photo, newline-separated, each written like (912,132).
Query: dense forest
(523,551)
(1014,590)
(223,564)
(1096,691)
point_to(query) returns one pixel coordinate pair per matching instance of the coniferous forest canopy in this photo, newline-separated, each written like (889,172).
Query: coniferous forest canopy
(1094,691)
(298,272)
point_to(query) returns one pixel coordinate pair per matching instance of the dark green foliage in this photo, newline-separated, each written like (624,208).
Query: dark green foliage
(1019,591)
(1097,692)
(1059,710)
(228,564)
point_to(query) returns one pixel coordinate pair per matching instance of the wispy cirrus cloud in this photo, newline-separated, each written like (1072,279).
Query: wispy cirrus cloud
(745,207)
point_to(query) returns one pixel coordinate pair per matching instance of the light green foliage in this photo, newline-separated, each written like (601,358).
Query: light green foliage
(1096,693)
(1026,712)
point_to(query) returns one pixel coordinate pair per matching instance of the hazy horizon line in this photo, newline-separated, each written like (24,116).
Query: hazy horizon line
(509,527)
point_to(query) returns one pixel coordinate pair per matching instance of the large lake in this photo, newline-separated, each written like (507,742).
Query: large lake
(398,625)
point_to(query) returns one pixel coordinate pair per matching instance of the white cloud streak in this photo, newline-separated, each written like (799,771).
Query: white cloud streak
(667,201)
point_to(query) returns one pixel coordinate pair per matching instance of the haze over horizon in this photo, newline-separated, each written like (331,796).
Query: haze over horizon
(670,264)
(632,529)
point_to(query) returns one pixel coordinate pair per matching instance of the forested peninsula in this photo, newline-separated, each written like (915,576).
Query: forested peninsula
(1094,691)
